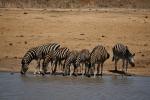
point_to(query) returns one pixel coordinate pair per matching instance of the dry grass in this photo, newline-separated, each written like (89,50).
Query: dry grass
(75,3)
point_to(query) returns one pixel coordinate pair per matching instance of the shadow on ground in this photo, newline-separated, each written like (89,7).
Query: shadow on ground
(120,72)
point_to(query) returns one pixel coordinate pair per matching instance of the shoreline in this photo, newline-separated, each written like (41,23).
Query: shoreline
(60,74)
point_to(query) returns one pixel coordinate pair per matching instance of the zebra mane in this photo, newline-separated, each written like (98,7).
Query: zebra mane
(128,53)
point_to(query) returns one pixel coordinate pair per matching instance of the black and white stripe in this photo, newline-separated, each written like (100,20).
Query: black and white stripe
(37,53)
(83,59)
(71,59)
(122,52)
(98,56)
(57,57)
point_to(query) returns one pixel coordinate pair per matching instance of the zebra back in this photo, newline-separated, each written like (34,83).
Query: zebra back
(99,54)
(72,57)
(121,51)
(83,57)
(61,53)
(39,52)
(43,50)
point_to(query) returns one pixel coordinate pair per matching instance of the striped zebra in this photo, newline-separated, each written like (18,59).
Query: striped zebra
(83,59)
(37,53)
(57,57)
(122,52)
(71,59)
(98,56)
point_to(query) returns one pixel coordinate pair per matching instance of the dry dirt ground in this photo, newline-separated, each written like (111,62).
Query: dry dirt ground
(21,29)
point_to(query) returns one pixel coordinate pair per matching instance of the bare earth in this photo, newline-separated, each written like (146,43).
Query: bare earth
(21,29)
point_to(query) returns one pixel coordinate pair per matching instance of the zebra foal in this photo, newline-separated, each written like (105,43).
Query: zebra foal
(71,59)
(83,59)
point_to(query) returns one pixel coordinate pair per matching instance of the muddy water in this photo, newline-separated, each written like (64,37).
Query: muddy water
(16,87)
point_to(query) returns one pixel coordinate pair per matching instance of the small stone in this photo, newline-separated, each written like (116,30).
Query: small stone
(11,73)
(103,36)
(146,17)
(145,44)
(21,36)
(10,44)
(82,34)
(25,13)
(25,42)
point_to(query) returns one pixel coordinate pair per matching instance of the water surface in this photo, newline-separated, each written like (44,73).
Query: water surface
(29,87)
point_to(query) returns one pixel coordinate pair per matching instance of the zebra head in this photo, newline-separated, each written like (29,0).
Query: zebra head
(130,57)
(131,60)
(24,67)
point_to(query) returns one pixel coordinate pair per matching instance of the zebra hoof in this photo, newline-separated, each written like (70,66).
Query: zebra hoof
(35,73)
(47,72)
(42,73)
(64,74)
(88,75)
(74,75)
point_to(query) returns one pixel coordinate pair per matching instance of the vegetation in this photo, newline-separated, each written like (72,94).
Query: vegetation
(74,3)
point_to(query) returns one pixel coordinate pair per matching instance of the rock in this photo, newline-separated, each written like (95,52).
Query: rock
(10,44)
(25,13)
(25,42)
(146,17)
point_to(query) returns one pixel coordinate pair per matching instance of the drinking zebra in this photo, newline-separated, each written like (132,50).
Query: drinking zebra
(57,57)
(122,52)
(98,56)
(83,59)
(37,53)
(71,59)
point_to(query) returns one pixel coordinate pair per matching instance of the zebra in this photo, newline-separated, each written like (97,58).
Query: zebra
(56,57)
(37,53)
(122,52)
(83,58)
(98,56)
(71,59)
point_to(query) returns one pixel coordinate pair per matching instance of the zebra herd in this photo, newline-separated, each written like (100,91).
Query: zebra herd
(82,61)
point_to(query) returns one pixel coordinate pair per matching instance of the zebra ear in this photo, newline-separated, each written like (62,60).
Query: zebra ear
(126,47)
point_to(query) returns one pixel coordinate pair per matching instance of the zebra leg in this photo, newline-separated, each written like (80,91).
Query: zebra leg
(116,61)
(98,67)
(92,70)
(75,70)
(44,65)
(80,68)
(123,63)
(101,69)
(52,66)
(37,69)
(54,71)
(85,71)
(62,66)
(65,70)
(126,67)
(86,68)
(59,65)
